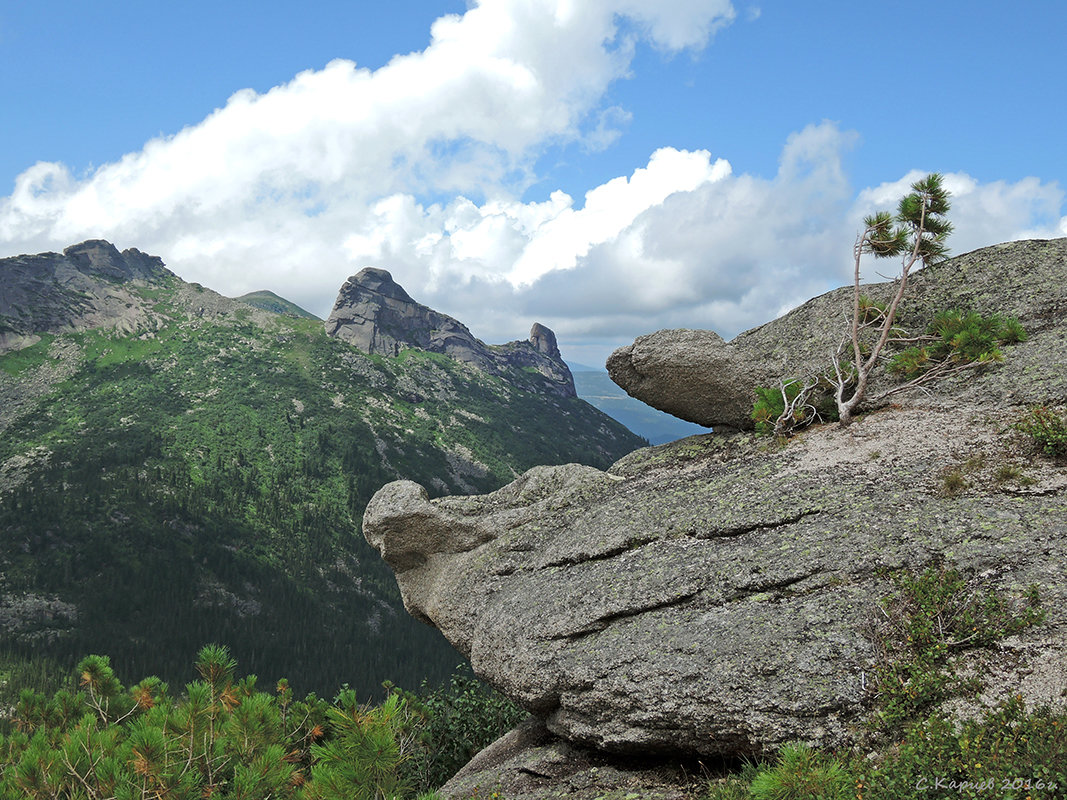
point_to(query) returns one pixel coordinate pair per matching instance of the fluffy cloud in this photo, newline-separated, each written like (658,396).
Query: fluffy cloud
(684,242)
(419,167)
(237,197)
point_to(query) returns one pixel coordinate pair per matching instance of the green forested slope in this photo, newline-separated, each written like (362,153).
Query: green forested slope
(269,301)
(201,478)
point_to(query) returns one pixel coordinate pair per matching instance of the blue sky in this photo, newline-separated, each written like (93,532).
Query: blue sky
(607,167)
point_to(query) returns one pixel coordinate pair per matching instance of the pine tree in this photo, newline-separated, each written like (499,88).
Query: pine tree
(917,232)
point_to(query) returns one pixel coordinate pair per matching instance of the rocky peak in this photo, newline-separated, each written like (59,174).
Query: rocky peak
(88,285)
(544,340)
(375,314)
(380,281)
(102,258)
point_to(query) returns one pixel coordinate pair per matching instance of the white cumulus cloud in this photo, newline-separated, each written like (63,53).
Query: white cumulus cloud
(233,200)
(420,167)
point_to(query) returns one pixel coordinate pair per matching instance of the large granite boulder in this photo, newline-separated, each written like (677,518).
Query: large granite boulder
(716,595)
(374,313)
(698,377)
(692,374)
(713,595)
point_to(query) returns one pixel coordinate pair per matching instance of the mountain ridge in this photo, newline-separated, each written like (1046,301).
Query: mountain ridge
(375,314)
(269,301)
(162,435)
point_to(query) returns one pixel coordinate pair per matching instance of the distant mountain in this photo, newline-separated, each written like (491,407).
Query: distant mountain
(376,315)
(269,301)
(177,467)
(597,389)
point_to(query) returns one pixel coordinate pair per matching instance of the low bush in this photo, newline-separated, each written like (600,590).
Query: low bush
(221,737)
(1047,427)
(458,720)
(933,616)
(801,774)
(957,338)
(1008,752)
(791,405)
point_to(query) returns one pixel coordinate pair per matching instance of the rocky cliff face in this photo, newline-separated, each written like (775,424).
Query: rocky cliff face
(374,313)
(89,285)
(716,595)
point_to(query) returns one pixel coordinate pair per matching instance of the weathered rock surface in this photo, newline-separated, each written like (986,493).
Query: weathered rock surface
(715,595)
(712,595)
(531,764)
(698,377)
(374,313)
(53,293)
(694,375)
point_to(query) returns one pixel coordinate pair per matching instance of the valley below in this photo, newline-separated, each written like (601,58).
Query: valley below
(178,468)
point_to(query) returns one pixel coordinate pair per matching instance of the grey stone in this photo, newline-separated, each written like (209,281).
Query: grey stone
(715,595)
(375,314)
(698,377)
(531,764)
(692,374)
(544,340)
(712,595)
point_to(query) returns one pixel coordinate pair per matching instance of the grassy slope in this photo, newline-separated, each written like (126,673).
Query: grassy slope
(206,483)
(269,301)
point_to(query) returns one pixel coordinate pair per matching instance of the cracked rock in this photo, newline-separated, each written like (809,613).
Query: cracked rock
(716,595)
(611,605)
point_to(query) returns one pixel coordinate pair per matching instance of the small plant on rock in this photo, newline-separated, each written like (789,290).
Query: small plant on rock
(1048,428)
(933,616)
(800,774)
(956,340)
(793,404)
(1012,473)
(953,482)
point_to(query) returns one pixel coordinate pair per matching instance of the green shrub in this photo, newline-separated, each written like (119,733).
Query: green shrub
(220,738)
(1047,427)
(768,407)
(934,615)
(815,404)
(802,774)
(459,719)
(957,338)
(1008,753)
